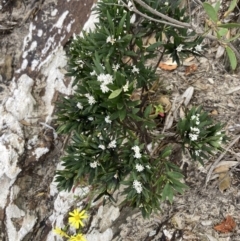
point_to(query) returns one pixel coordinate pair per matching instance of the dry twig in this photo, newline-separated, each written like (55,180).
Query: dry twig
(219,159)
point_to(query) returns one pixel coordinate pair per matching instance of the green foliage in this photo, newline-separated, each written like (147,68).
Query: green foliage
(113,122)
(222,29)
(200,136)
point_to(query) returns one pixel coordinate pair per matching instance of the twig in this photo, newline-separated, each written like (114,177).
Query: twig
(171,21)
(219,159)
(163,16)
(135,10)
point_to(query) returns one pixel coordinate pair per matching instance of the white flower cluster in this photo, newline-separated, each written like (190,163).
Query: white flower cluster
(112,144)
(198,48)
(107,119)
(79,106)
(137,153)
(197,152)
(125,87)
(93,73)
(139,167)
(105,79)
(80,63)
(93,164)
(194,133)
(135,69)
(220,138)
(196,118)
(102,147)
(115,67)
(179,48)
(111,39)
(138,186)
(91,99)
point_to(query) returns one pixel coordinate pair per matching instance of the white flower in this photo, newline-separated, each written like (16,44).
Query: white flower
(116,176)
(112,144)
(179,48)
(136,148)
(115,67)
(91,99)
(93,73)
(196,117)
(148,167)
(198,48)
(193,137)
(125,87)
(90,118)
(139,167)
(111,39)
(103,66)
(138,186)
(93,164)
(105,78)
(104,88)
(166,3)
(195,130)
(80,62)
(137,155)
(107,119)
(102,147)
(135,69)
(197,152)
(79,106)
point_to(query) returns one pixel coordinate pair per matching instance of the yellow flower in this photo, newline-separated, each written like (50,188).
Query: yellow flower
(76,217)
(60,232)
(78,237)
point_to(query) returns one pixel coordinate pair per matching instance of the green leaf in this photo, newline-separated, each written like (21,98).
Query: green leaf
(232,6)
(147,111)
(115,93)
(232,57)
(111,24)
(97,63)
(120,105)
(233,38)
(166,152)
(211,12)
(222,31)
(120,28)
(175,175)
(167,193)
(217,6)
(152,47)
(122,114)
(229,25)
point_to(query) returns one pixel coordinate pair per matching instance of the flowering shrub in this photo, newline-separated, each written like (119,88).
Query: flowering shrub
(75,220)
(114,118)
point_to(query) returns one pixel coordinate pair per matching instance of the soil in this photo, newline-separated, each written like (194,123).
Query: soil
(33,36)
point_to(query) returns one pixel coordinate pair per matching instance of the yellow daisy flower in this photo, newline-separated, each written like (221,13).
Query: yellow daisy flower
(78,237)
(76,217)
(60,232)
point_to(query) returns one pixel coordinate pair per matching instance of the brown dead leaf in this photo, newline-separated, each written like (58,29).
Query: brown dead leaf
(224,166)
(127,60)
(167,65)
(187,61)
(25,123)
(190,69)
(224,181)
(226,226)
(214,112)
